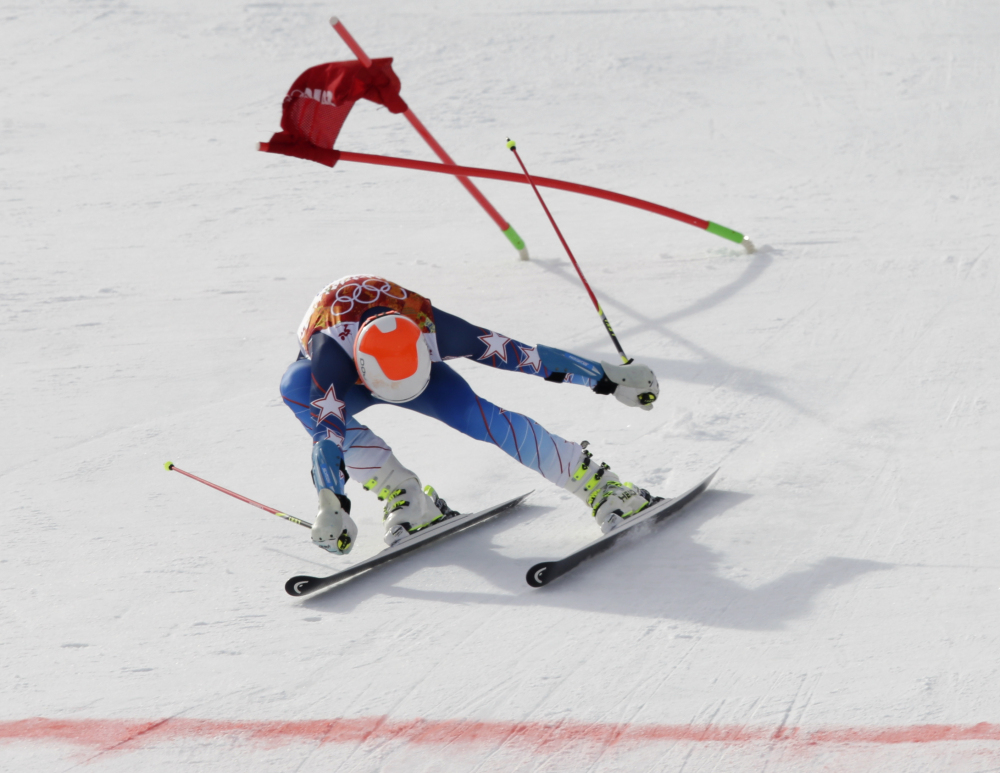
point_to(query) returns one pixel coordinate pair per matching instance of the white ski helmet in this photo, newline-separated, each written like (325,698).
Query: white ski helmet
(392,357)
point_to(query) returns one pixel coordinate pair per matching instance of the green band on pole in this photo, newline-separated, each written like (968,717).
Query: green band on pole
(516,240)
(725,233)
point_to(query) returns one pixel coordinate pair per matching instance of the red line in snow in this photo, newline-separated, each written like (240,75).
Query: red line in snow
(124,734)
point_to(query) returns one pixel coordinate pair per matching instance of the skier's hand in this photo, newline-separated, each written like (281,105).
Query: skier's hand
(633,384)
(334,530)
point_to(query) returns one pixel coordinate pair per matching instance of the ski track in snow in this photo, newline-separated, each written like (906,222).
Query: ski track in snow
(829,604)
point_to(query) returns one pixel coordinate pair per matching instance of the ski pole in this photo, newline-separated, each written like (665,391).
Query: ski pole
(271,510)
(513,146)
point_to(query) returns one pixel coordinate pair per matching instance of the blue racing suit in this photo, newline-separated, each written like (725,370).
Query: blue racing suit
(322,388)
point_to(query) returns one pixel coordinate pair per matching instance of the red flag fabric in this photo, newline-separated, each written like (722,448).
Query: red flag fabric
(321,98)
(301,150)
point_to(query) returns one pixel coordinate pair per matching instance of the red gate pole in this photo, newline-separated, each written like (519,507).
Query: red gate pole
(440,152)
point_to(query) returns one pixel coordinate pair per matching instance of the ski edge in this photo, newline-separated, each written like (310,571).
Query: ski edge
(543,573)
(301,585)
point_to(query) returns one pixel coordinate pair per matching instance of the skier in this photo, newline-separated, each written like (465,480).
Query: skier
(366,340)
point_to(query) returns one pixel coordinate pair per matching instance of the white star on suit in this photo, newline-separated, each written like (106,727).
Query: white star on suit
(329,405)
(530,358)
(495,344)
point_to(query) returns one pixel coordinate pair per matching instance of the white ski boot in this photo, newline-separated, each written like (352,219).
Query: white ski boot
(610,500)
(408,509)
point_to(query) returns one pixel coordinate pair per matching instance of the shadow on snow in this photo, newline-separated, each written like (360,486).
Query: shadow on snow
(660,572)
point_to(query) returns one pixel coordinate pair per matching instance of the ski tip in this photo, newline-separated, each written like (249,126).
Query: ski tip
(515,501)
(299,585)
(538,574)
(168,466)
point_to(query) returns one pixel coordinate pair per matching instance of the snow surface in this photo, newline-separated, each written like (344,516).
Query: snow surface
(842,573)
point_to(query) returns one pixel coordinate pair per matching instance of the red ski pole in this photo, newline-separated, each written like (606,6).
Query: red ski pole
(511,144)
(271,510)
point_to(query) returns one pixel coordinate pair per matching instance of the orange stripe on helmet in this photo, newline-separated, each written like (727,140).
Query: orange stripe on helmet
(395,350)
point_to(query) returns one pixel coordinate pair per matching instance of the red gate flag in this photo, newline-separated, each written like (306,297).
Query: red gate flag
(321,98)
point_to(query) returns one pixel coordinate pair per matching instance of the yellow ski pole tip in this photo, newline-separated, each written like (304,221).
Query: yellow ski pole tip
(168,466)
(511,144)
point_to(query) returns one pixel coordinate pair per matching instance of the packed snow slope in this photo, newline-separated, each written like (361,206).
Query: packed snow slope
(839,582)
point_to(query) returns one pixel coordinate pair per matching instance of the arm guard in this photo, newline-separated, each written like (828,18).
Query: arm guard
(328,467)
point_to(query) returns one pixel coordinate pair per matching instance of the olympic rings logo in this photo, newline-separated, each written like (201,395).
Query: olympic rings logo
(364,293)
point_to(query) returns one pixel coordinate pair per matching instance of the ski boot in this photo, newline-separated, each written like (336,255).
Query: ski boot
(610,500)
(407,508)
